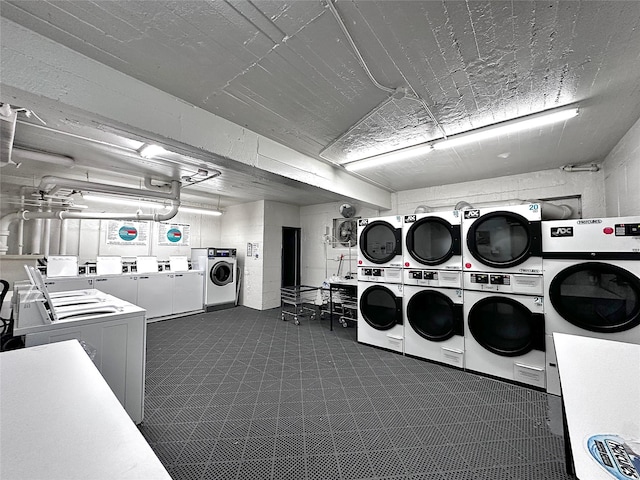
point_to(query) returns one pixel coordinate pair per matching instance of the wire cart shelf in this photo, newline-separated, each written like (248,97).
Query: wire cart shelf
(297,301)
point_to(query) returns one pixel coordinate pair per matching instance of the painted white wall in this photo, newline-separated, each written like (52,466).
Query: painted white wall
(319,259)
(622,175)
(536,185)
(242,224)
(276,216)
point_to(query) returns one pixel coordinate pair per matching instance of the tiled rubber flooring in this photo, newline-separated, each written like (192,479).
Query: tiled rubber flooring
(240,394)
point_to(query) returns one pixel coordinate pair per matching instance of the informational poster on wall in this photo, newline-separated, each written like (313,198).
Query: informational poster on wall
(174,234)
(127,233)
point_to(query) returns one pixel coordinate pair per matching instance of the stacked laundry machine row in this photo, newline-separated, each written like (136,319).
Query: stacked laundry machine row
(471,288)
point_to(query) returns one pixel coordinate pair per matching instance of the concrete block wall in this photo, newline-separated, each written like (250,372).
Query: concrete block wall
(536,185)
(622,175)
(316,221)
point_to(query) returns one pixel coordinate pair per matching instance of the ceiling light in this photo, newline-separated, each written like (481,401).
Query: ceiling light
(510,126)
(150,150)
(388,157)
(201,211)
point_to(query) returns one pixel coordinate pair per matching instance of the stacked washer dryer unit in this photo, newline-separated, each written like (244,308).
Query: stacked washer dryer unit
(380,283)
(432,275)
(503,293)
(592,282)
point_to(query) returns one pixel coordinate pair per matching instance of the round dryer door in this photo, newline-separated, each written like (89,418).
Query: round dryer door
(503,239)
(434,316)
(598,297)
(433,240)
(221,273)
(380,308)
(506,327)
(380,242)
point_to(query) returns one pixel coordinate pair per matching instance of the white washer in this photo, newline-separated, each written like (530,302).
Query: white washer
(380,308)
(432,240)
(433,315)
(592,282)
(504,326)
(221,278)
(502,239)
(380,242)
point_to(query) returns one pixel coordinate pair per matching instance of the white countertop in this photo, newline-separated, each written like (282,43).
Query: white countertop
(600,382)
(60,420)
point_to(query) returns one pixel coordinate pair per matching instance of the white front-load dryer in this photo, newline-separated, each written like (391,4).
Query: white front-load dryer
(433,316)
(380,315)
(432,240)
(504,329)
(592,282)
(380,242)
(502,239)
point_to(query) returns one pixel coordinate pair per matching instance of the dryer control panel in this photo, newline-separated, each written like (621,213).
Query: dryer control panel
(221,252)
(504,282)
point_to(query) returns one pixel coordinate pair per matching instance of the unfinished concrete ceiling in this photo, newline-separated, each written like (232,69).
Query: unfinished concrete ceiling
(287,71)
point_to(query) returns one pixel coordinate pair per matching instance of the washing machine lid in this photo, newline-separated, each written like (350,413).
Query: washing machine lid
(380,242)
(597,296)
(504,239)
(221,273)
(380,307)
(433,316)
(506,327)
(432,240)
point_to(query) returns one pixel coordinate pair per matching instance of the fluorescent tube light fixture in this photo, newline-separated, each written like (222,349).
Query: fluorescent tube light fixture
(201,211)
(388,157)
(507,127)
(150,150)
(504,128)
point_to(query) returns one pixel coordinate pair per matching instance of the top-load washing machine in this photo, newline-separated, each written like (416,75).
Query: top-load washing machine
(502,239)
(432,240)
(592,281)
(380,242)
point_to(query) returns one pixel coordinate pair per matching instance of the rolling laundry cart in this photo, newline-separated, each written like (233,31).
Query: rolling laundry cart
(297,301)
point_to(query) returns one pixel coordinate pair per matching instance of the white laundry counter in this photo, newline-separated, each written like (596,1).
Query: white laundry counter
(60,420)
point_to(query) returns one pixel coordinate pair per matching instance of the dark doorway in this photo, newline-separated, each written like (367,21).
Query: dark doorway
(290,256)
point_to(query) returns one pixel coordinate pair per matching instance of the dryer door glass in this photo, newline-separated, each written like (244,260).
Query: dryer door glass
(380,242)
(379,308)
(505,327)
(431,241)
(433,316)
(221,273)
(503,239)
(598,297)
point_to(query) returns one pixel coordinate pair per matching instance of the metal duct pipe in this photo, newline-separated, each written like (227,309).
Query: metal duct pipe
(580,168)
(551,211)
(50,184)
(5,223)
(463,206)
(62,244)
(46,236)
(8,119)
(36,235)
(153,217)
